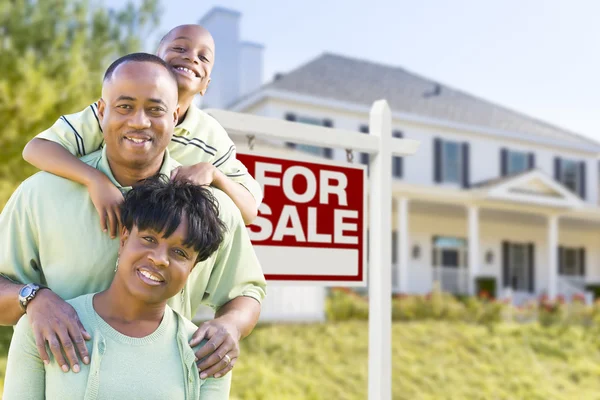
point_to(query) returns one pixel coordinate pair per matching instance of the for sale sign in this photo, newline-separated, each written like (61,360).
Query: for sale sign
(311,223)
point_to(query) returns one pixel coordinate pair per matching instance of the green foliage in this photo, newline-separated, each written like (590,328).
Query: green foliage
(486,285)
(53,54)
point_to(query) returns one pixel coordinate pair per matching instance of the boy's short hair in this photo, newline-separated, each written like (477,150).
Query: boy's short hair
(159,204)
(138,57)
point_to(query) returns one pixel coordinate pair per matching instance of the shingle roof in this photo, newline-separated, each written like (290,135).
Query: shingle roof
(359,81)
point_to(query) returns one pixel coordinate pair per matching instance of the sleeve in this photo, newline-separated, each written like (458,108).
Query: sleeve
(236,270)
(19,254)
(25,377)
(79,133)
(216,388)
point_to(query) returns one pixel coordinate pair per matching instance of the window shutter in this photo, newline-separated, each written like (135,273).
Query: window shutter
(505,264)
(582,179)
(466,182)
(437,160)
(582,260)
(561,264)
(531,160)
(531,254)
(397,162)
(292,118)
(557,169)
(394,247)
(328,151)
(503,162)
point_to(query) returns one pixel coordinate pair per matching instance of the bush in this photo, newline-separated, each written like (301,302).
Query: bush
(486,286)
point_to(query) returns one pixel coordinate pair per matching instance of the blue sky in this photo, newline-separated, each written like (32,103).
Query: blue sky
(539,57)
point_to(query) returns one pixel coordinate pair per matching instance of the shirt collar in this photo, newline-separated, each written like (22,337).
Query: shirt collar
(191,121)
(167,166)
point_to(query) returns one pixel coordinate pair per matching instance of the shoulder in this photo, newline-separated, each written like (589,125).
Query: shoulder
(229,213)
(206,126)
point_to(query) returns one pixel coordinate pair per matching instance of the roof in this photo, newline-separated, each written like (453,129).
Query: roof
(363,82)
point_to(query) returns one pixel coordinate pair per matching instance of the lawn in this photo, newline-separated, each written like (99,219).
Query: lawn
(431,360)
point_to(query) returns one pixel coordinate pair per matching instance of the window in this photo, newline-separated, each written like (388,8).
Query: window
(570,175)
(306,148)
(364,157)
(571,261)
(517,161)
(397,162)
(451,162)
(450,252)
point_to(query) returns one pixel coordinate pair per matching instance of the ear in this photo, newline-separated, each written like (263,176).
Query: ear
(101,109)
(205,87)
(124,237)
(176,114)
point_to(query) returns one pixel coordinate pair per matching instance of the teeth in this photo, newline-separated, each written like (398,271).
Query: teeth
(189,71)
(150,276)
(134,140)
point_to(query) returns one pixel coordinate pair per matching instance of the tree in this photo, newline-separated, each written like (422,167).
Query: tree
(53,54)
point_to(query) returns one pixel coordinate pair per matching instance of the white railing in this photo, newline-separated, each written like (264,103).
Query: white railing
(568,286)
(452,280)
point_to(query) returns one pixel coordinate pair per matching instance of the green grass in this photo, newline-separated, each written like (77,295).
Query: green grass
(431,360)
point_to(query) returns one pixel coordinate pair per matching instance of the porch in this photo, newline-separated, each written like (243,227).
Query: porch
(527,234)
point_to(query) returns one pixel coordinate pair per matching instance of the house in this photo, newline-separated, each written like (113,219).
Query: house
(492,197)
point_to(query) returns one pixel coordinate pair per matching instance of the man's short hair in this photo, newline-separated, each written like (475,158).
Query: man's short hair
(160,204)
(138,57)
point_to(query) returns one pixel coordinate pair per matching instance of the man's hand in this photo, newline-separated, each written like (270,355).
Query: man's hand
(202,173)
(107,199)
(53,320)
(217,356)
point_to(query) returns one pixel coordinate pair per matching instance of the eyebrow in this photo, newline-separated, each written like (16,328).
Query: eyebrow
(129,98)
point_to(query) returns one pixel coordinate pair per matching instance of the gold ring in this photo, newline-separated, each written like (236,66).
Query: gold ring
(227,358)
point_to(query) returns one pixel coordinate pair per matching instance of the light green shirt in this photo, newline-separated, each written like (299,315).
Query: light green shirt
(155,367)
(199,138)
(50,234)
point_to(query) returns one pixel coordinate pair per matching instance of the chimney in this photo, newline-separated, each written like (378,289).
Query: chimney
(251,67)
(224,88)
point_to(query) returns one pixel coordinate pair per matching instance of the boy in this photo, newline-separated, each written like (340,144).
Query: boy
(199,142)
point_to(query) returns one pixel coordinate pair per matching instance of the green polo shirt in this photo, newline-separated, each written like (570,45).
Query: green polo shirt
(199,138)
(50,234)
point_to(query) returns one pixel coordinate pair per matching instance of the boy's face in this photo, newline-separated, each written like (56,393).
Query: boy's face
(190,51)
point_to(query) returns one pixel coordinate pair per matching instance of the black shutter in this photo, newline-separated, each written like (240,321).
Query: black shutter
(394,247)
(328,151)
(561,265)
(466,182)
(531,160)
(397,162)
(582,179)
(531,254)
(557,169)
(582,260)
(437,160)
(292,118)
(503,162)
(505,264)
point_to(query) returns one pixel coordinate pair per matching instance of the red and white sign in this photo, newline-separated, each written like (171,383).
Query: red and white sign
(311,223)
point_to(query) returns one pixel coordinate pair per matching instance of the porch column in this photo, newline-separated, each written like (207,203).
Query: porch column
(552,256)
(402,241)
(473,219)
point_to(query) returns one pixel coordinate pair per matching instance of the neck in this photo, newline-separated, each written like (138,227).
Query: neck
(185,101)
(118,307)
(129,176)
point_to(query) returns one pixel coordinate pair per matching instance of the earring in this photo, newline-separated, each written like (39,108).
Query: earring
(117,264)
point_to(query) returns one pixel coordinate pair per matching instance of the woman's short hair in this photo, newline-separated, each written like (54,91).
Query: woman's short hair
(159,204)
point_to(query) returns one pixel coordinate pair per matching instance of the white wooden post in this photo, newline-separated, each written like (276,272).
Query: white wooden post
(473,247)
(552,256)
(380,254)
(402,244)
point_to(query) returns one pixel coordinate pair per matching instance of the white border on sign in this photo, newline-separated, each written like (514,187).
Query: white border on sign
(293,156)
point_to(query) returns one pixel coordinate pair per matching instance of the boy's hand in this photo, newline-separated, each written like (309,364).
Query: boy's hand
(202,173)
(107,199)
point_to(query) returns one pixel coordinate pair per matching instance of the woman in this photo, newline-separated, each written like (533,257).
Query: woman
(139,347)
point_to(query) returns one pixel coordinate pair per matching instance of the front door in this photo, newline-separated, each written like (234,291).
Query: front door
(518,268)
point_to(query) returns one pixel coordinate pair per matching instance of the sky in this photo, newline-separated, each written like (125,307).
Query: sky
(539,57)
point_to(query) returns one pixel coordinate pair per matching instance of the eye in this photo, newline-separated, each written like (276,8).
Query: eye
(203,58)
(125,106)
(178,48)
(181,253)
(149,239)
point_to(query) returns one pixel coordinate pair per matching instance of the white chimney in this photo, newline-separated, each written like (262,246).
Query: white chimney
(238,65)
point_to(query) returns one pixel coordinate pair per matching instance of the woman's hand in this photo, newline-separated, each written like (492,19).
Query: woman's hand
(53,320)
(217,356)
(107,199)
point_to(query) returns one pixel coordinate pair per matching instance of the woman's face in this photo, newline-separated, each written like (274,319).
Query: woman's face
(152,267)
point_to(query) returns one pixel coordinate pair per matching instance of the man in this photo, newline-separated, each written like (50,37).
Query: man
(49,230)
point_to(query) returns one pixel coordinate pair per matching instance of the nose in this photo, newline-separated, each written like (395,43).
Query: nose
(191,56)
(159,256)
(139,120)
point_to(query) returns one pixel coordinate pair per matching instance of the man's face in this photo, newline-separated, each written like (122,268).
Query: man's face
(190,51)
(138,112)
